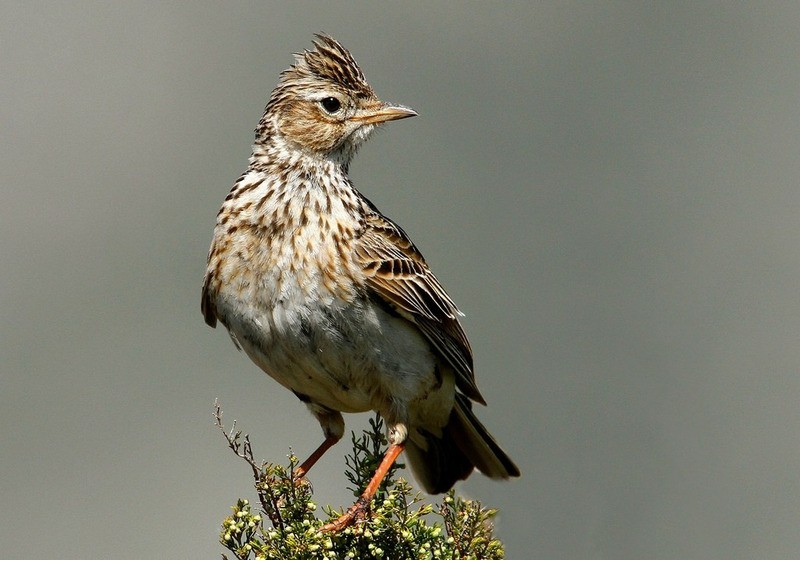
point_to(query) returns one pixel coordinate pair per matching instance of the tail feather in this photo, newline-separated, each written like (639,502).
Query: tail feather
(438,462)
(476,442)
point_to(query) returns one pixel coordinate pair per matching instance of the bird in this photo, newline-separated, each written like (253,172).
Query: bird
(331,298)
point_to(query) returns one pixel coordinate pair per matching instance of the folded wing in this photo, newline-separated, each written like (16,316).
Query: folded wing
(397,272)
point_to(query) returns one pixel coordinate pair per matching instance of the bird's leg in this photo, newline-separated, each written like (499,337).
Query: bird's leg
(332,425)
(359,510)
(303,468)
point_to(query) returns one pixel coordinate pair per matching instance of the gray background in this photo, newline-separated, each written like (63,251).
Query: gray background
(608,190)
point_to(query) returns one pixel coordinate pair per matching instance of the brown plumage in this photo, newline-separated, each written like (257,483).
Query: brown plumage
(331,298)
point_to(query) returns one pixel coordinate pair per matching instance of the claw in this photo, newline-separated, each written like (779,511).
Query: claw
(355,515)
(300,480)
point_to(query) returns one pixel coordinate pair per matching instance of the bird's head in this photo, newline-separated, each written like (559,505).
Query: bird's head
(323,104)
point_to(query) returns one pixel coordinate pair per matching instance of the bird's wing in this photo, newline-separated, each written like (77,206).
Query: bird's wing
(397,272)
(207,304)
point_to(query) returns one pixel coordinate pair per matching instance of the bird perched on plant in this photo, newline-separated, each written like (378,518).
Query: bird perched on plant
(330,297)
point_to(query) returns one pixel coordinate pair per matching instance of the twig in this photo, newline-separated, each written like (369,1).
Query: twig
(242,448)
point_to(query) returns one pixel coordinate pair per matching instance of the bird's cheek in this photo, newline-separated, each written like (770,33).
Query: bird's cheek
(309,132)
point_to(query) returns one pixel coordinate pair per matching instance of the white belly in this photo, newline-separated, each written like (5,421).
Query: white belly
(349,357)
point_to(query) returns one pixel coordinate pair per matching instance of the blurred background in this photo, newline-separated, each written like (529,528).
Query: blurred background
(608,190)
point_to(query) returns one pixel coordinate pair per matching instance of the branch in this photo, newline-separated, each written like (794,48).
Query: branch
(402,525)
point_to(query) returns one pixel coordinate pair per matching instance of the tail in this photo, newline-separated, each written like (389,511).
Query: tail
(465,444)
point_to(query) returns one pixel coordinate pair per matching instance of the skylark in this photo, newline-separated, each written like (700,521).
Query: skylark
(330,297)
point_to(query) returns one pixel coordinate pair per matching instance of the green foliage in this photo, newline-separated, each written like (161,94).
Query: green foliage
(401,525)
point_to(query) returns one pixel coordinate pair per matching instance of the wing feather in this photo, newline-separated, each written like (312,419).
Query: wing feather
(397,272)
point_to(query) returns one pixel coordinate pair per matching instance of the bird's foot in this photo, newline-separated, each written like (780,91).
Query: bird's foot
(299,478)
(355,514)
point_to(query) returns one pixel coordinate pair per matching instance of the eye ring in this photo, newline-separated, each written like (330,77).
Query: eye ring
(331,104)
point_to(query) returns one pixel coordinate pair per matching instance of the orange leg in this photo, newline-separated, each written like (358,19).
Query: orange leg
(303,468)
(359,510)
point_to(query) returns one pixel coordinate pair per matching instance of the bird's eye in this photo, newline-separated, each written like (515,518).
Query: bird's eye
(331,104)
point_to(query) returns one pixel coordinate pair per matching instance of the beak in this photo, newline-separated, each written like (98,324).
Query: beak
(384,113)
